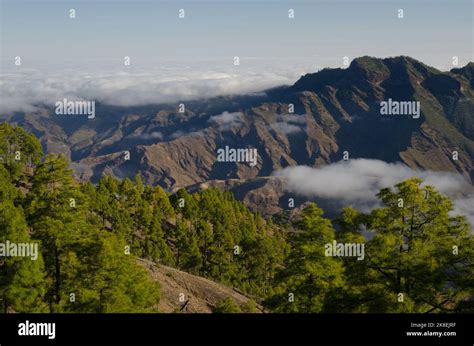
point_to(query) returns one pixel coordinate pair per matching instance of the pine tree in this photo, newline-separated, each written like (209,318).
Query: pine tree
(421,258)
(162,202)
(191,257)
(19,151)
(205,239)
(121,284)
(190,209)
(221,255)
(309,276)
(22,279)
(56,214)
(159,249)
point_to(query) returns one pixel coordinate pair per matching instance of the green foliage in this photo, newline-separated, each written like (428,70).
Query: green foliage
(250,307)
(412,254)
(19,151)
(418,250)
(227,306)
(22,279)
(419,259)
(122,285)
(82,266)
(309,276)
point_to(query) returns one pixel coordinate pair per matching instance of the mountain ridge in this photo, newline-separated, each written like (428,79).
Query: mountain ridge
(335,111)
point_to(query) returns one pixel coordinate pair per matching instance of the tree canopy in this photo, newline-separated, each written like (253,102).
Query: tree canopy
(417,256)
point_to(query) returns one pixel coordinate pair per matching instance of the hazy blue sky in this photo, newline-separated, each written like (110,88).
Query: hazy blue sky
(323,30)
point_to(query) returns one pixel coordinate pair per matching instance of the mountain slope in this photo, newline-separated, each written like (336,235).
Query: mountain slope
(335,110)
(199,295)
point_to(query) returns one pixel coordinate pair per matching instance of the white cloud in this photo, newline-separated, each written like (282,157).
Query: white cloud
(289,123)
(357,181)
(292,118)
(286,128)
(152,135)
(179,133)
(226,121)
(22,88)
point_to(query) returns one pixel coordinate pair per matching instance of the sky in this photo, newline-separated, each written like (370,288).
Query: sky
(432,31)
(174,58)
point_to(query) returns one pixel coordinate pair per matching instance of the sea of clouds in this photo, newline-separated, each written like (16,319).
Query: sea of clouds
(23,88)
(357,181)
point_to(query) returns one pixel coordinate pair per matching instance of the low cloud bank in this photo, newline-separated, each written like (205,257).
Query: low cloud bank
(357,181)
(24,88)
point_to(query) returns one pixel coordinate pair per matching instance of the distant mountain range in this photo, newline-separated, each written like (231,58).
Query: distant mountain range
(315,122)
